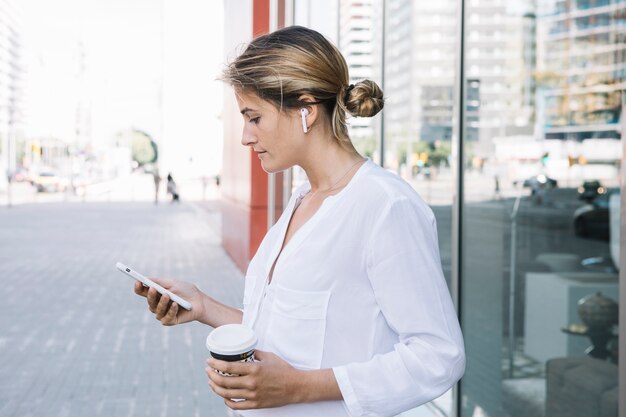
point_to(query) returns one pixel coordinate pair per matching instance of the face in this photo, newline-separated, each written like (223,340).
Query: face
(272,134)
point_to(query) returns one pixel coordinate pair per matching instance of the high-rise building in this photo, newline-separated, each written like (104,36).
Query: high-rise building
(11,88)
(581,54)
(421,70)
(356,42)
(83,122)
(500,45)
(418,62)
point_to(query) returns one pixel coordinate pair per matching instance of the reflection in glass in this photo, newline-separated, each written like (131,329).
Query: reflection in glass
(541,208)
(359,44)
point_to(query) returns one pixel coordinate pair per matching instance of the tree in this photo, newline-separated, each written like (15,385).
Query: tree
(143,149)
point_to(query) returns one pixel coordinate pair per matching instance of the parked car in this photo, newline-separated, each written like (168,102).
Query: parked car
(47,181)
(592,219)
(20,175)
(589,190)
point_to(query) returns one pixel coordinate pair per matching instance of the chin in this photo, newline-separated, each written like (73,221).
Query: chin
(273,168)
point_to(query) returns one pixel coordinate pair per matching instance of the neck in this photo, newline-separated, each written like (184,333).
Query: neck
(332,169)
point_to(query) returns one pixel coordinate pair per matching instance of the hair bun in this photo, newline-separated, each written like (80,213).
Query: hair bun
(365,99)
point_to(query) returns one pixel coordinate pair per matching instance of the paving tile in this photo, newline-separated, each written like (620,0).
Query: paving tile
(74,338)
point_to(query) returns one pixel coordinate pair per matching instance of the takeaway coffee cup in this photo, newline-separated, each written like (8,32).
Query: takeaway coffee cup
(232,343)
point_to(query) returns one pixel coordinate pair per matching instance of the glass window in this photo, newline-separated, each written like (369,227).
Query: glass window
(541,151)
(540,237)
(418,116)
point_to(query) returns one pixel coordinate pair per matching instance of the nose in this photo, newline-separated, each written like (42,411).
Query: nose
(247,138)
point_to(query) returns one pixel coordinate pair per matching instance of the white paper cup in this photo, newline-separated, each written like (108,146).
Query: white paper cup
(232,343)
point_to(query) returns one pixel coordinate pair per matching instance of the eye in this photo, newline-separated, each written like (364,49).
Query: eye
(255,120)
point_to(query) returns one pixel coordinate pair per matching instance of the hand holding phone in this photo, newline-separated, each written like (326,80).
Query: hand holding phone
(151,284)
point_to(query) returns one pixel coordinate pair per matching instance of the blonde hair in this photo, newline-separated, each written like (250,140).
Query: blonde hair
(283,65)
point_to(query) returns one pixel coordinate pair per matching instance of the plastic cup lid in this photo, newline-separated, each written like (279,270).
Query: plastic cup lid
(231,339)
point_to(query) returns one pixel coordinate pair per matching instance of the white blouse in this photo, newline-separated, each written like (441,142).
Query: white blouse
(359,289)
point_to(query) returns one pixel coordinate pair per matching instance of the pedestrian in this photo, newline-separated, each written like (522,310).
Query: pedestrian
(497,187)
(346,292)
(157,183)
(172,188)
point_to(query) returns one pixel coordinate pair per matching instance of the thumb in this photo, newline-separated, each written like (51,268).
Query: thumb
(262,355)
(164,282)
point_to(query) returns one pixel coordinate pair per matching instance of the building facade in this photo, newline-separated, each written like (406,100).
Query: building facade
(582,57)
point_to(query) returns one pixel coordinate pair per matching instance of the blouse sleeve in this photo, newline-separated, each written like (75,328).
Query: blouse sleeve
(404,270)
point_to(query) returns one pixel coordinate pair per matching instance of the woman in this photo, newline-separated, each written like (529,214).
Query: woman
(346,292)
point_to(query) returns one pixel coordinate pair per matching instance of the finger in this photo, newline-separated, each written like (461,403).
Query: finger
(238,368)
(164,282)
(228,394)
(216,378)
(228,382)
(140,289)
(153,298)
(241,405)
(162,306)
(217,364)
(170,318)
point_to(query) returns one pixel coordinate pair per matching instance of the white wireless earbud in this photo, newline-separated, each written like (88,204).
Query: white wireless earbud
(304,113)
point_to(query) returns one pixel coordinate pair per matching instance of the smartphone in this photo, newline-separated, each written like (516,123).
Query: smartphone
(147,282)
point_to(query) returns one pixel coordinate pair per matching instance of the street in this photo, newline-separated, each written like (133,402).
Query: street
(132,187)
(75,340)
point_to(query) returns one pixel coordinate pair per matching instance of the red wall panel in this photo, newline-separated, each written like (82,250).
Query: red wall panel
(260,17)
(245,188)
(236,171)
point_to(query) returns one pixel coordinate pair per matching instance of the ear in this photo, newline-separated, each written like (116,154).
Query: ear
(312,109)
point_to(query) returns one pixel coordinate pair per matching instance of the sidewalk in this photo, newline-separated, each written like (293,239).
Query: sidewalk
(75,340)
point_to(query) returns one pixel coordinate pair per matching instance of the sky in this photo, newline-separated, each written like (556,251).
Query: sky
(144,64)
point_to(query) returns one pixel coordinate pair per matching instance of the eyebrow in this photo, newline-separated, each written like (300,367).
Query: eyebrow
(246,110)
